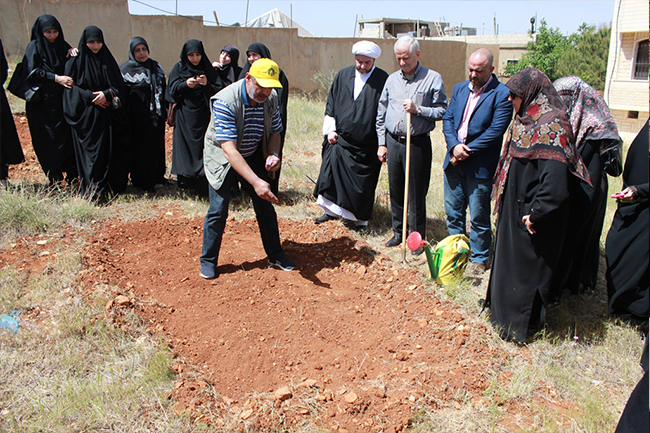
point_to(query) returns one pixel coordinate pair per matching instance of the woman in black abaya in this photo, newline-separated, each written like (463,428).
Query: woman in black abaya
(145,84)
(192,82)
(256,51)
(628,278)
(99,127)
(10,150)
(597,139)
(227,67)
(44,66)
(532,184)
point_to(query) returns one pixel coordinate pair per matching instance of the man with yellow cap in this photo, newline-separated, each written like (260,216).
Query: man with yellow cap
(242,144)
(350,167)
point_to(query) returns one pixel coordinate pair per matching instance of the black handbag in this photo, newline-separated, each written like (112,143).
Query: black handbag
(20,86)
(612,160)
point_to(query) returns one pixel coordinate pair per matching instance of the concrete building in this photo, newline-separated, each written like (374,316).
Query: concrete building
(626,83)
(387,28)
(511,47)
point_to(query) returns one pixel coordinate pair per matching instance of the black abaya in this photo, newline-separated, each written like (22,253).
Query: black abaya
(100,135)
(350,168)
(193,112)
(145,85)
(10,150)
(51,136)
(628,239)
(524,264)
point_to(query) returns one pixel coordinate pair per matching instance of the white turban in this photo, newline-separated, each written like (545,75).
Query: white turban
(366,48)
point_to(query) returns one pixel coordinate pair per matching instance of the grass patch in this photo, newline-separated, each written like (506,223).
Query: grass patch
(70,369)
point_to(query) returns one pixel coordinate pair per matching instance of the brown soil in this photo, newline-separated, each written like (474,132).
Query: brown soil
(351,341)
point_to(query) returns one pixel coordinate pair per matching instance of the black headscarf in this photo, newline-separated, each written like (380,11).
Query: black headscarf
(225,71)
(96,71)
(187,69)
(148,71)
(256,47)
(41,53)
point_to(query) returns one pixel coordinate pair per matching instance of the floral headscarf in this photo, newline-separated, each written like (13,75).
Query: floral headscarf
(588,112)
(541,130)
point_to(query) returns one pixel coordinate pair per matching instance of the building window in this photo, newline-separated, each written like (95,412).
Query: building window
(632,114)
(641,61)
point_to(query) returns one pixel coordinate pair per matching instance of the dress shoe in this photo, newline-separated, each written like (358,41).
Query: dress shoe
(323,218)
(394,241)
(418,251)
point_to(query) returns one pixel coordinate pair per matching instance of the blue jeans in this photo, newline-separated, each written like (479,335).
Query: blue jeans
(215,219)
(463,191)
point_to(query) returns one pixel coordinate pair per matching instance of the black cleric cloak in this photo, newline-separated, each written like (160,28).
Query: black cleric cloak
(100,135)
(350,168)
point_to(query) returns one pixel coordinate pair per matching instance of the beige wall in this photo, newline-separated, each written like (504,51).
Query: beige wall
(299,57)
(623,93)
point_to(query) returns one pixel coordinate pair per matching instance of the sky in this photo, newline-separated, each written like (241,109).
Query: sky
(337,18)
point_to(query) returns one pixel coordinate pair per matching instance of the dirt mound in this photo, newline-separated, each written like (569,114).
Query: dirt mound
(349,339)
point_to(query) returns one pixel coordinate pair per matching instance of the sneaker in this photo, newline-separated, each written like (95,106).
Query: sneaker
(394,241)
(208,272)
(283,262)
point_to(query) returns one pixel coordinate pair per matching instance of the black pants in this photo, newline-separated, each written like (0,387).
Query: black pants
(420,174)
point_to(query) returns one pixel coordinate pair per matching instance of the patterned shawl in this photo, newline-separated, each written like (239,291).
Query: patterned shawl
(541,130)
(589,114)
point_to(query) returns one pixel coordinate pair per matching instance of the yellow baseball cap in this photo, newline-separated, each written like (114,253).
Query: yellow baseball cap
(266,72)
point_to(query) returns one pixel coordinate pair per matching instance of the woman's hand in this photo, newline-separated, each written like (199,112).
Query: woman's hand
(64,81)
(72,52)
(202,80)
(100,100)
(192,82)
(529,224)
(627,195)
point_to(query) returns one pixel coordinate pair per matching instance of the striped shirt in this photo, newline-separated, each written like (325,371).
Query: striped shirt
(226,128)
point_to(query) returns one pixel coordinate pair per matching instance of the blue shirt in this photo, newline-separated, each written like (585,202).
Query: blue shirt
(226,129)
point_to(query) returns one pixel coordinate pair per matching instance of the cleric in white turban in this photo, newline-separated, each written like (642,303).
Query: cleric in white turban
(366,48)
(350,168)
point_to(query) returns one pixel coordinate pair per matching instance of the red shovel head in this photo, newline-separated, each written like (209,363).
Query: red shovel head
(414,241)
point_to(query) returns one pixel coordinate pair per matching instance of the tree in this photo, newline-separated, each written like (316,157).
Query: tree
(543,53)
(583,54)
(587,58)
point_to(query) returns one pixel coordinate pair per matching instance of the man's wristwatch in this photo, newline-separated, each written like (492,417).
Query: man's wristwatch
(275,154)
(419,111)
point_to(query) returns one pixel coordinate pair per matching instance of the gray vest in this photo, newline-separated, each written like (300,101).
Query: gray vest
(215,163)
